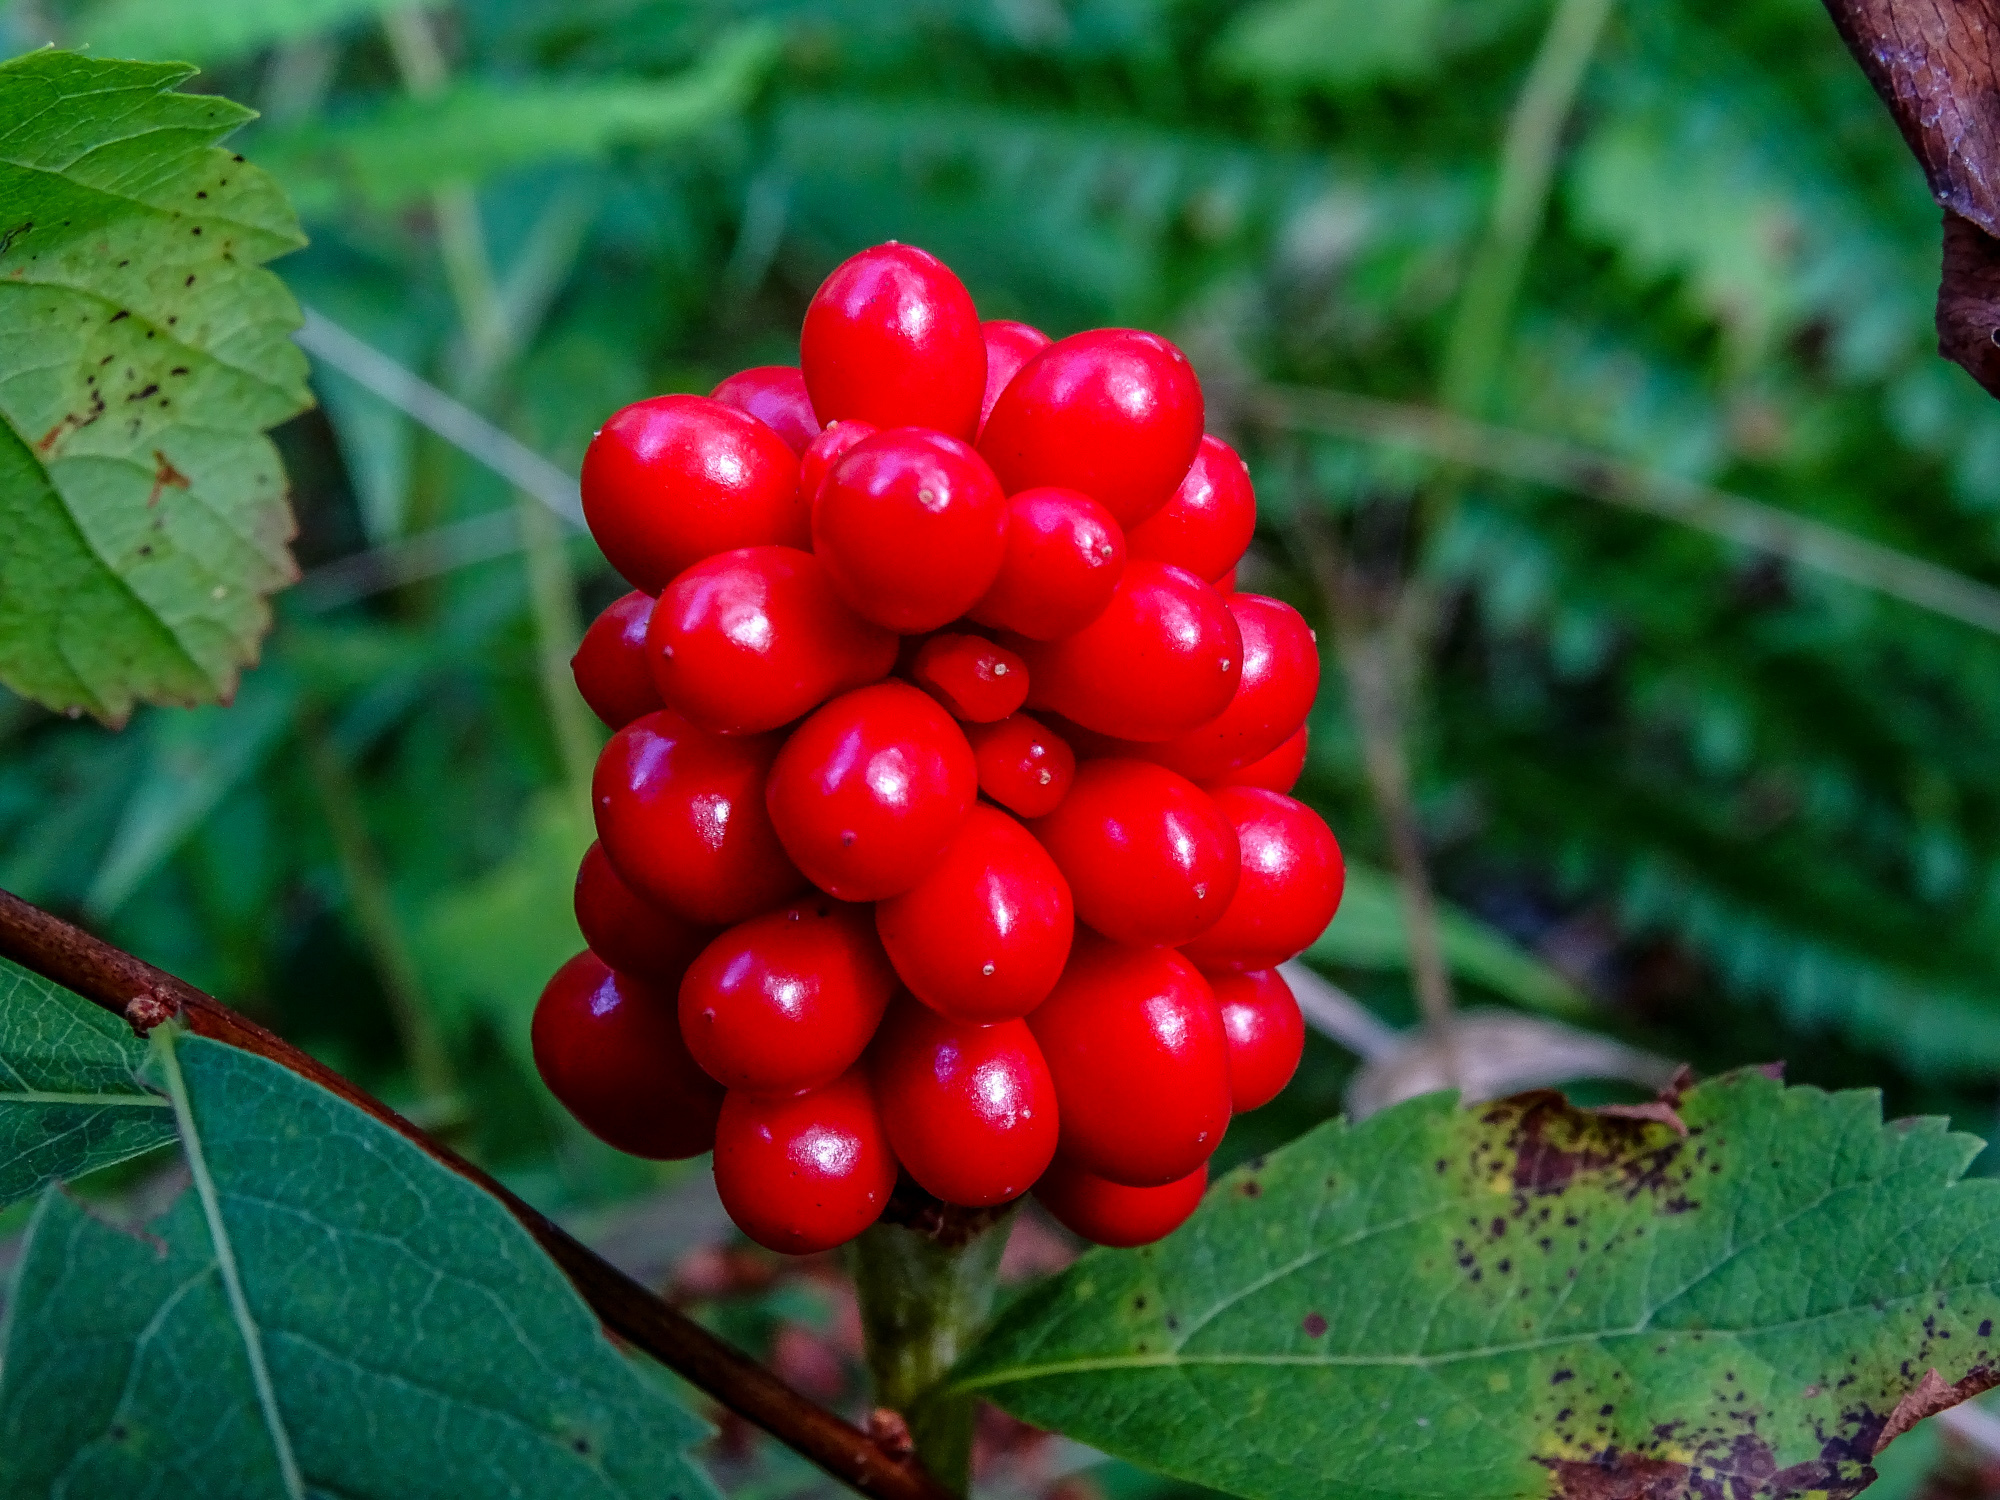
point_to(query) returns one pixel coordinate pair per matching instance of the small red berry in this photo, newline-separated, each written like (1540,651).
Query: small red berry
(1149,856)
(1290,886)
(1209,521)
(1164,657)
(1135,1044)
(627,931)
(608,1047)
(984,935)
(970,1110)
(1226,584)
(1278,772)
(680,813)
(804,1173)
(868,791)
(776,396)
(1008,347)
(755,638)
(912,528)
(1267,1034)
(975,679)
(1273,696)
(891,337)
(1064,558)
(1024,765)
(1108,1213)
(1114,412)
(828,449)
(787,1001)
(610,665)
(674,479)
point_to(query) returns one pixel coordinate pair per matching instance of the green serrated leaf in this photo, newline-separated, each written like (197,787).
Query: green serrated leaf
(143,351)
(1526,1299)
(413,1341)
(70,1097)
(215,31)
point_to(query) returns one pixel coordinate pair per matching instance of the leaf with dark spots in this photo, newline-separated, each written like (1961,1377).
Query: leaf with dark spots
(1556,1312)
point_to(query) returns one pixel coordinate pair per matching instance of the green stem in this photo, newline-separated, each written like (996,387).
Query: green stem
(924,1293)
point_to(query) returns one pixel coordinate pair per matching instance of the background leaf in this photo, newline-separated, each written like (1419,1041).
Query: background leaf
(216,31)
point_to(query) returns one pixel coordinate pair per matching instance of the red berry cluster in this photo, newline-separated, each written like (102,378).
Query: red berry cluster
(945,827)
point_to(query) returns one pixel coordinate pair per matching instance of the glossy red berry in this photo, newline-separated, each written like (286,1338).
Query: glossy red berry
(891,337)
(680,814)
(1210,520)
(1164,657)
(912,527)
(1272,699)
(826,450)
(1064,558)
(1008,347)
(608,1047)
(776,396)
(807,1172)
(976,680)
(1108,1213)
(1290,885)
(1277,772)
(970,1110)
(1226,584)
(627,931)
(984,935)
(1024,765)
(753,639)
(610,665)
(1114,412)
(1135,1044)
(787,1001)
(1267,1034)
(1149,856)
(671,480)
(868,791)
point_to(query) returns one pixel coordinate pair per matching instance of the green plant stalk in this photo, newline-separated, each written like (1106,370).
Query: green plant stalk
(923,1297)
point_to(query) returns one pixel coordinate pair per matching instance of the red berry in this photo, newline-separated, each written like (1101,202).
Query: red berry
(1064,558)
(984,935)
(1267,1034)
(627,931)
(610,665)
(1135,1044)
(912,527)
(680,813)
(1226,584)
(787,1001)
(776,396)
(1209,521)
(1290,886)
(978,681)
(970,1110)
(868,792)
(804,1173)
(1115,413)
(891,337)
(753,639)
(1107,1213)
(1149,856)
(1163,657)
(671,480)
(1273,696)
(608,1047)
(826,450)
(1008,347)
(1024,765)
(1278,772)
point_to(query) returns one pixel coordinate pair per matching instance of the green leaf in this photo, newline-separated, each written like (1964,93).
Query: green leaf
(1332,44)
(70,1097)
(1527,1299)
(401,148)
(1368,933)
(215,31)
(143,351)
(328,1301)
